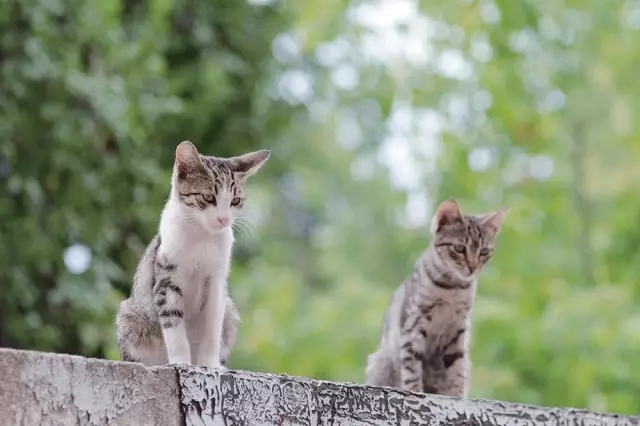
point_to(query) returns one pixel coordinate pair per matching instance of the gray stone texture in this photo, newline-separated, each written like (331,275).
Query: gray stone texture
(241,398)
(43,389)
(50,389)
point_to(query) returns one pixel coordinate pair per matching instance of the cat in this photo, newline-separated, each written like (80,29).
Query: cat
(425,334)
(179,310)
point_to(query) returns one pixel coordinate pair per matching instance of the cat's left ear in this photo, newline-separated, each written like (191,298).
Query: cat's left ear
(448,213)
(250,163)
(494,220)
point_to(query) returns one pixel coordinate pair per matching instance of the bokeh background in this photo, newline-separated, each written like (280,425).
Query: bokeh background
(374,111)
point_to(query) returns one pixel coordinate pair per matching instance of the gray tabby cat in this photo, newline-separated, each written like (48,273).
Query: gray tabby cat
(425,335)
(179,311)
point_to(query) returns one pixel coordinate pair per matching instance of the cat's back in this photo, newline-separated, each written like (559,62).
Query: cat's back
(143,277)
(395,313)
(392,315)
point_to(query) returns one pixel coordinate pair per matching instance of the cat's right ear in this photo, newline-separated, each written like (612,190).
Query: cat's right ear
(448,213)
(187,155)
(494,220)
(248,164)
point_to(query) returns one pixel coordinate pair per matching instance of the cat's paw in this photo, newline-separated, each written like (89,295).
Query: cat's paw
(178,364)
(214,365)
(181,361)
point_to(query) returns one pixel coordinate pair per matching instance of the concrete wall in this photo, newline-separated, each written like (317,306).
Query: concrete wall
(50,389)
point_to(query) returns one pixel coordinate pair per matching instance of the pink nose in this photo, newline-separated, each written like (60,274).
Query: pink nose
(224,220)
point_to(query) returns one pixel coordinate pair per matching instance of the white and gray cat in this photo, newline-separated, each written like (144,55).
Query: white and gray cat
(425,334)
(179,311)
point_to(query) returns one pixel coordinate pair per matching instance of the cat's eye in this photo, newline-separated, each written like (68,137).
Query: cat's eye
(458,248)
(484,251)
(209,198)
(236,202)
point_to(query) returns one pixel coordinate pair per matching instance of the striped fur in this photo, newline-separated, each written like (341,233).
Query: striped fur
(425,334)
(179,310)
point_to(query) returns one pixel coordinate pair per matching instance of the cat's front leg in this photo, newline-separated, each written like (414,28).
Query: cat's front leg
(413,341)
(212,316)
(457,374)
(168,299)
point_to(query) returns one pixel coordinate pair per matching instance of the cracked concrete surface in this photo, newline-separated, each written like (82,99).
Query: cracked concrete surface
(242,398)
(50,389)
(53,389)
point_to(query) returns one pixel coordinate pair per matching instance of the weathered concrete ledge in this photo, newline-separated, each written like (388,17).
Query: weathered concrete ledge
(50,389)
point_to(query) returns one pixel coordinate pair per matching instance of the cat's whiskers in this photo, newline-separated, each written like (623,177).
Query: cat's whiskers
(237,227)
(246,222)
(440,269)
(242,223)
(189,222)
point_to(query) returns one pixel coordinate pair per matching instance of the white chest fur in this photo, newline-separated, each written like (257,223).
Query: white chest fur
(201,262)
(202,259)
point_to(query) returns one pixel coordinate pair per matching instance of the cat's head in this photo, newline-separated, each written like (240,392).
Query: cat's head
(211,189)
(465,242)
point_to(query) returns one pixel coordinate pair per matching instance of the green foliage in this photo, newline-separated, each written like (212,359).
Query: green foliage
(373,116)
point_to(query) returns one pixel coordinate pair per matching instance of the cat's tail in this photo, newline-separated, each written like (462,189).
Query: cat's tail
(139,338)
(380,370)
(229,330)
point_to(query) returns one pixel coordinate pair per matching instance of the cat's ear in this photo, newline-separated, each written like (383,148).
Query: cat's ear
(187,155)
(448,213)
(494,220)
(250,163)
